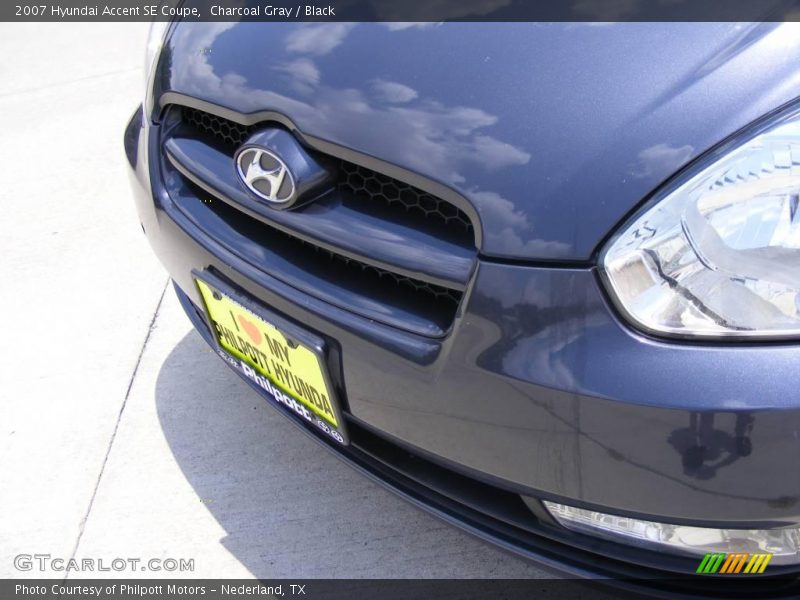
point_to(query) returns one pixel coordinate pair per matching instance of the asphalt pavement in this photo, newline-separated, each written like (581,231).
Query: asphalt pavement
(121,434)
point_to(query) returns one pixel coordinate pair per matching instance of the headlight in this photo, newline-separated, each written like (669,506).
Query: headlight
(783,544)
(719,255)
(155,39)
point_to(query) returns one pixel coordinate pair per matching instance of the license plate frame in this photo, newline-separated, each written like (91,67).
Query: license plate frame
(281,369)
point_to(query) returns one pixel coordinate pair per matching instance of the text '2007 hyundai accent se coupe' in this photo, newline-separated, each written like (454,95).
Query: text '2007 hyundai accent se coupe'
(541,280)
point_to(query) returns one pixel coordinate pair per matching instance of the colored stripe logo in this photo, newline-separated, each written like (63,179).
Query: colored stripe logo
(733,563)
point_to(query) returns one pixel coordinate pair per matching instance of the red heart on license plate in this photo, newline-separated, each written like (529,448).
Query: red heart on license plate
(250,329)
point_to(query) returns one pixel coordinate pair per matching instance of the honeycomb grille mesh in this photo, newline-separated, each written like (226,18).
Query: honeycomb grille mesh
(227,132)
(367,183)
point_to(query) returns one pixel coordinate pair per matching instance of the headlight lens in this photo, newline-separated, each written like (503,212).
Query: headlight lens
(783,544)
(720,254)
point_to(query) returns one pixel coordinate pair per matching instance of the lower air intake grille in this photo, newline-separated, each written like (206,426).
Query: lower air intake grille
(433,292)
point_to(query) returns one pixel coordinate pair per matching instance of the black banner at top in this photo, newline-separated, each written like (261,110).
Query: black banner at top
(401,10)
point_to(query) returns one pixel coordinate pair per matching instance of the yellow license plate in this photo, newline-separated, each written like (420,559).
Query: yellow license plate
(286,364)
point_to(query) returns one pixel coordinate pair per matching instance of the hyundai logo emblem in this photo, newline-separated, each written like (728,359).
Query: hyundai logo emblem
(265,174)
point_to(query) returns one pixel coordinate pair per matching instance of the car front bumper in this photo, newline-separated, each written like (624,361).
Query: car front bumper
(539,391)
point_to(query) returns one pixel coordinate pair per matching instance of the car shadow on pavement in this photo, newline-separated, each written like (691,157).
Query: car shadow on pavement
(289,508)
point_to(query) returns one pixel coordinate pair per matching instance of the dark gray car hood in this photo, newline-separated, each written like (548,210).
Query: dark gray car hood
(554,132)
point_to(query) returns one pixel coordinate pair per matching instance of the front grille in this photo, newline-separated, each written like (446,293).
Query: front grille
(382,287)
(369,187)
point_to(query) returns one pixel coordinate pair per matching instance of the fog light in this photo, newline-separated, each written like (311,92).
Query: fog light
(783,543)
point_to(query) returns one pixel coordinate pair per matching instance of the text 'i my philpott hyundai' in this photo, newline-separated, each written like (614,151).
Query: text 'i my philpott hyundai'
(542,280)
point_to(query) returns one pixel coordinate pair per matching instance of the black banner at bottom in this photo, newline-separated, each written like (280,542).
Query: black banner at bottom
(404,589)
